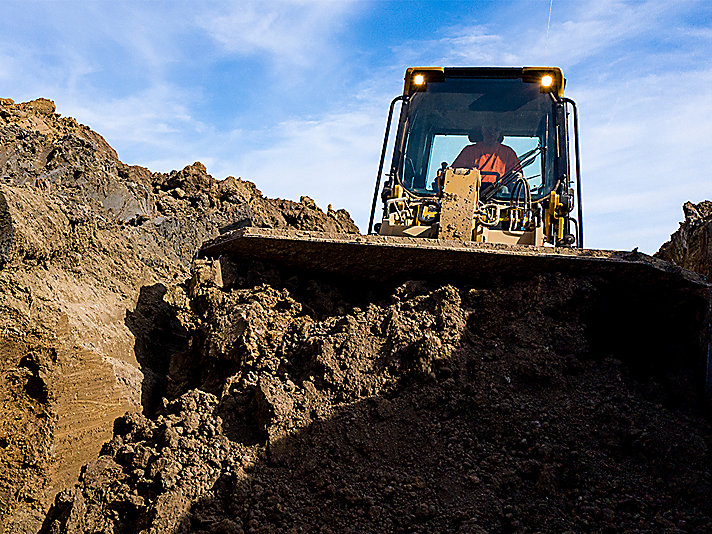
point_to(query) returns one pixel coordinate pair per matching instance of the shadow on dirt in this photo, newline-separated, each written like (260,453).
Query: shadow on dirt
(159,335)
(560,405)
(476,453)
(566,406)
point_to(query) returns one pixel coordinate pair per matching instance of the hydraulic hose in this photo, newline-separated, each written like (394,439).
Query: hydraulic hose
(527,160)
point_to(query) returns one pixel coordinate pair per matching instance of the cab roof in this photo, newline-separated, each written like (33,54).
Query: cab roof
(526,74)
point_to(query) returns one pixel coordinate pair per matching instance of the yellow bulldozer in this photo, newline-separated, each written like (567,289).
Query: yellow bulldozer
(482,154)
(480,185)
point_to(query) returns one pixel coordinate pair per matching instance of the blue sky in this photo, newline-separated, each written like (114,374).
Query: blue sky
(293,94)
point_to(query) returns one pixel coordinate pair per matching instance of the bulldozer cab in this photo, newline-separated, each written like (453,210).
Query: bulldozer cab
(446,111)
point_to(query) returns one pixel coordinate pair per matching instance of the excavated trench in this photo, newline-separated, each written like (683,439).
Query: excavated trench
(93,256)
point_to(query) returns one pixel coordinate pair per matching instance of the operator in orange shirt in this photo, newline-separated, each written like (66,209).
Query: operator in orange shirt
(489,156)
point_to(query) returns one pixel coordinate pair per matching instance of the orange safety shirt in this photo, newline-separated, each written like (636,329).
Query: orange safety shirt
(493,158)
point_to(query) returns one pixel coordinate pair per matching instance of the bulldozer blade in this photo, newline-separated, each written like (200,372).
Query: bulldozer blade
(646,293)
(389,257)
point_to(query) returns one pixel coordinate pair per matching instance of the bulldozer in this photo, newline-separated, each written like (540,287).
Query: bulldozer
(435,193)
(480,185)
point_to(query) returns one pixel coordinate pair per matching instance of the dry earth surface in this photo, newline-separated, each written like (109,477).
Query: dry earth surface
(260,399)
(92,251)
(691,245)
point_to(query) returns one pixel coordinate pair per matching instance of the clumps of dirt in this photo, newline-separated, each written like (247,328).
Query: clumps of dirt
(180,453)
(248,207)
(691,245)
(93,257)
(320,405)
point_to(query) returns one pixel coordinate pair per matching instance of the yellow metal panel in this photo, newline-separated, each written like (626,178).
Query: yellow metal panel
(528,237)
(460,190)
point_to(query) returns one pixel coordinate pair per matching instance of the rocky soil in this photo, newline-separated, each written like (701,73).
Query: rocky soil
(691,245)
(92,254)
(235,396)
(312,405)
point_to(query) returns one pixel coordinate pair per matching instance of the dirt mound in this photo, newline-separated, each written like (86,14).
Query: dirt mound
(312,405)
(691,245)
(246,398)
(92,254)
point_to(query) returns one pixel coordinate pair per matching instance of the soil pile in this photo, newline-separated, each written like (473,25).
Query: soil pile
(314,405)
(92,251)
(247,398)
(691,245)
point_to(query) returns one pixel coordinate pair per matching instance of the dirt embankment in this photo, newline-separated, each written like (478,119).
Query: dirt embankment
(691,245)
(318,405)
(265,400)
(92,254)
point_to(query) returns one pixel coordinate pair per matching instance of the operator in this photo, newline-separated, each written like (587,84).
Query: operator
(489,156)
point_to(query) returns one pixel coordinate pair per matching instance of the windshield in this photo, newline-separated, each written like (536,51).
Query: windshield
(499,126)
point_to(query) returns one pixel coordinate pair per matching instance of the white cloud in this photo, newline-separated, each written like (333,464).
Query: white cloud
(633,67)
(108,65)
(332,159)
(577,34)
(8,68)
(128,69)
(152,123)
(643,151)
(289,31)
